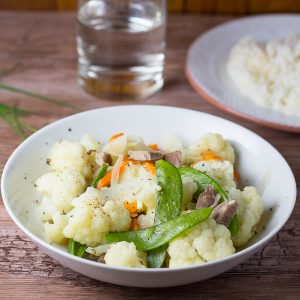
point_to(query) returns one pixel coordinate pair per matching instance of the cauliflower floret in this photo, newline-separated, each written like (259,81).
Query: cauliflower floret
(215,143)
(46,209)
(119,216)
(125,255)
(189,188)
(171,142)
(182,253)
(69,156)
(249,211)
(87,222)
(93,217)
(190,155)
(90,143)
(221,171)
(214,242)
(146,220)
(123,144)
(204,242)
(54,230)
(59,188)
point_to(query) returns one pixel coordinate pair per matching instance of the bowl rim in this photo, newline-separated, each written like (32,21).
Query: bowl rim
(51,248)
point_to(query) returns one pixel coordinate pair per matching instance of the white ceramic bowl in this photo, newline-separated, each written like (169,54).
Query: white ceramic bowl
(258,163)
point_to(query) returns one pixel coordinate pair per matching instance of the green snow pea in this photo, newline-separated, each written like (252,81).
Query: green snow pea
(169,202)
(158,235)
(203,180)
(234,226)
(75,248)
(101,172)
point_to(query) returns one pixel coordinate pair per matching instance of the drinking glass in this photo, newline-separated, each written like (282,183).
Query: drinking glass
(121,47)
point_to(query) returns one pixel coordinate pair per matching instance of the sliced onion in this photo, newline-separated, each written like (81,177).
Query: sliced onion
(97,251)
(116,170)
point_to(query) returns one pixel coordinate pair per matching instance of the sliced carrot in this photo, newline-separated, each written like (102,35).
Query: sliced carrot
(209,155)
(131,206)
(236,174)
(106,180)
(116,136)
(150,167)
(153,147)
(134,224)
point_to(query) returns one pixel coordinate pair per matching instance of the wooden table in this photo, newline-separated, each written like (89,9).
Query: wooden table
(42,47)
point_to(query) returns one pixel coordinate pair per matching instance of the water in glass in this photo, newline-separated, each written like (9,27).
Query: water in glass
(121,47)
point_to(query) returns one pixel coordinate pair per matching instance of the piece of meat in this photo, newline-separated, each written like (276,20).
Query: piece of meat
(103,158)
(224,212)
(145,155)
(174,158)
(207,198)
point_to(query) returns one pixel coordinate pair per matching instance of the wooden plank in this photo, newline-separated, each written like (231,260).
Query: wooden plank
(200,6)
(28,4)
(274,6)
(66,4)
(239,7)
(47,65)
(175,6)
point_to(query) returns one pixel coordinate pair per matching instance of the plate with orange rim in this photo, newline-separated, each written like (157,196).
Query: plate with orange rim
(206,67)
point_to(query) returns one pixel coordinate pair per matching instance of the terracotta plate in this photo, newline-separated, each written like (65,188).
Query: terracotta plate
(206,60)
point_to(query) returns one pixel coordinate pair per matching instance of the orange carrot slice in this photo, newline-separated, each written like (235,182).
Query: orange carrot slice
(209,155)
(116,136)
(236,174)
(150,167)
(106,180)
(131,206)
(153,147)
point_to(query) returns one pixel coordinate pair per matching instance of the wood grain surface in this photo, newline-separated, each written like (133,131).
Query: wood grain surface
(41,46)
(233,7)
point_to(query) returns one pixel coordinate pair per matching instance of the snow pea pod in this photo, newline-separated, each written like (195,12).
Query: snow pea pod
(234,226)
(158,235)
(202,180)
(101,172)
(75,248)
(169,202)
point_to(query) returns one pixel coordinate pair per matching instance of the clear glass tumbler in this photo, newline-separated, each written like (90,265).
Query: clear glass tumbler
(121,47)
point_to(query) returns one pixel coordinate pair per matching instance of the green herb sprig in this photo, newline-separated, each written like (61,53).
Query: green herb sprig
(11,114)
(37,96)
